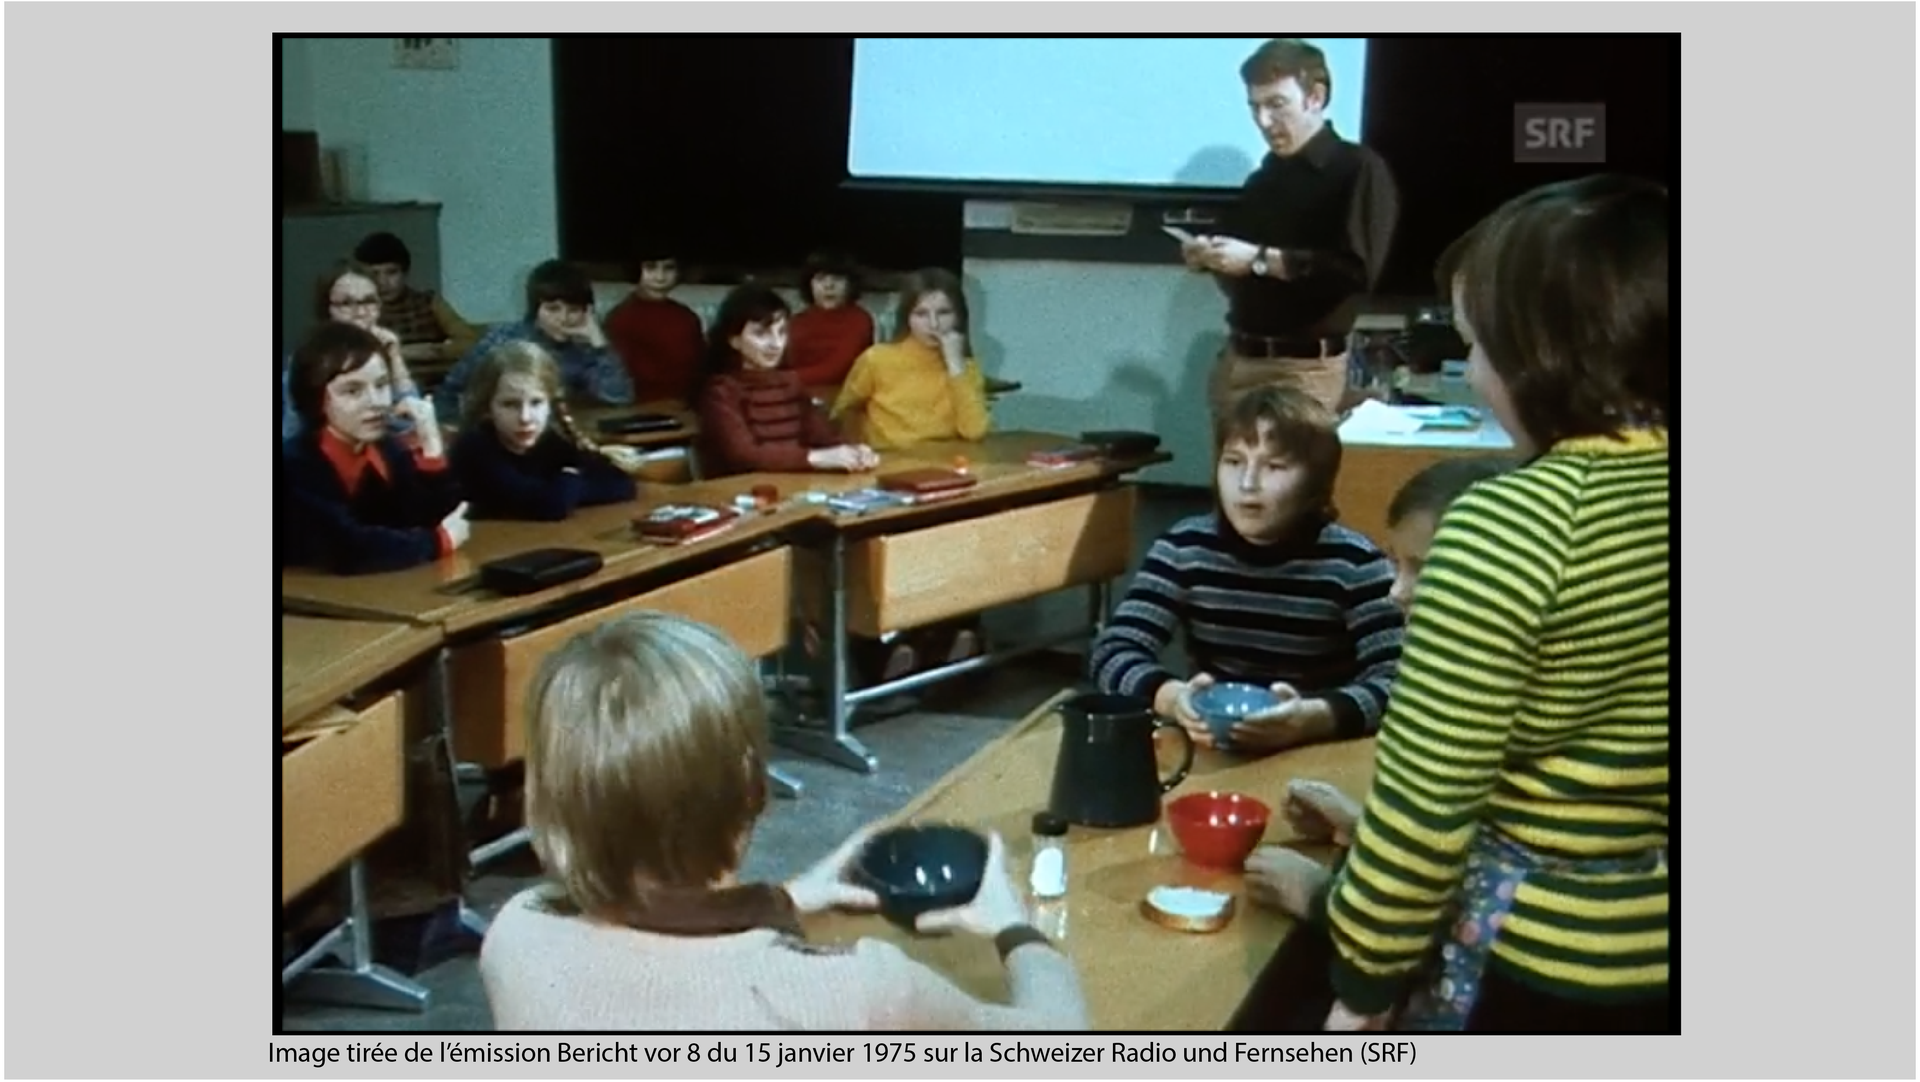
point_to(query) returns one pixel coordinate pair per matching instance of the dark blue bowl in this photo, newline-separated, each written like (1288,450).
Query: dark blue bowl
(920,869)
(1222,706)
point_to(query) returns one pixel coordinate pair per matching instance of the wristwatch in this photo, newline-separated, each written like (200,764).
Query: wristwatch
(1260,266)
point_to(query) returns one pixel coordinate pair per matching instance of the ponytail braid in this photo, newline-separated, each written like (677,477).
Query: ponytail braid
(624,458)
(570,430)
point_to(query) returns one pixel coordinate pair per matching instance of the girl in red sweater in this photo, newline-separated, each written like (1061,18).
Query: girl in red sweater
(755,415)
(833,329)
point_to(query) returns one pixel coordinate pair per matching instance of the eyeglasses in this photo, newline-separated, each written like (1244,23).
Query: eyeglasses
(354,302)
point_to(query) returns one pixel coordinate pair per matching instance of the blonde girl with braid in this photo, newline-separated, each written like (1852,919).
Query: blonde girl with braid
(520,455)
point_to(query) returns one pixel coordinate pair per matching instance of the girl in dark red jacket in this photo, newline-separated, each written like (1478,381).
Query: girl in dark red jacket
(755,416)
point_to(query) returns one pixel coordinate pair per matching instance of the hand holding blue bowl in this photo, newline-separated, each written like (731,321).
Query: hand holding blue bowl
(830,883)
(938,872)
(1225,706)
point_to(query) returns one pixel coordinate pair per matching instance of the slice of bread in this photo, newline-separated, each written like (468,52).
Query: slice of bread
(1186,909)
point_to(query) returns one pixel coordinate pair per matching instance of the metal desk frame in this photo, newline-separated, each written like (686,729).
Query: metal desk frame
(834,741)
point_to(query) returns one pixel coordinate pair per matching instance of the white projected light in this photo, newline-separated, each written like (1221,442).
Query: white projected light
(1115,112)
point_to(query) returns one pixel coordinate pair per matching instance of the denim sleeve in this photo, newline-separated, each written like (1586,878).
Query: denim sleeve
(290,425)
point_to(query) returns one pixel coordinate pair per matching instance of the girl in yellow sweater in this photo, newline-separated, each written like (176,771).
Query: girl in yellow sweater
(921,386)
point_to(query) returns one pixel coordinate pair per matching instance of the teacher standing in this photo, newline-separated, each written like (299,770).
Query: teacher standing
(1307,237)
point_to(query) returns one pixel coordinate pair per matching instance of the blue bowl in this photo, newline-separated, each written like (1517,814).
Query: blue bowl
(1222,706)
(921,869)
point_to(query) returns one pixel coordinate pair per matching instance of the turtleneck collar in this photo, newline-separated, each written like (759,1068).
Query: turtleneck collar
(762,376)
(694,911)
(1296,542)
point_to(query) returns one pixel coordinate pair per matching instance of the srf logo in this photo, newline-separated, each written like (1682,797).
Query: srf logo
(1552,132)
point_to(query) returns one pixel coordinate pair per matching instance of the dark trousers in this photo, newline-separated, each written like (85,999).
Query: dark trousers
(1294,993)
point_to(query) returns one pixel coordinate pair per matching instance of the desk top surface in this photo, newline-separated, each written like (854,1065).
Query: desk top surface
(998,463)
(446,593)
(1136,974)
(323,661)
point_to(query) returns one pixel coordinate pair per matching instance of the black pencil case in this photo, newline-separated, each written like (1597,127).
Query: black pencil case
(633,424)
(526,572)
(1122,444)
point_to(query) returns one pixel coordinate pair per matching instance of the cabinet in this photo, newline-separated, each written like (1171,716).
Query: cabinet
(313,237)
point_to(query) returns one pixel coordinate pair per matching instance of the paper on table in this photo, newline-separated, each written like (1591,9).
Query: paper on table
(1373,418)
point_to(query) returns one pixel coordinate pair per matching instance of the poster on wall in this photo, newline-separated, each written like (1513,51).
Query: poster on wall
(431,54)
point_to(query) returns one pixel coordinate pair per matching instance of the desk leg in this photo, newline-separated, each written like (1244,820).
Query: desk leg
(784,784)
(492,851)
(1099,599)
(440,701)
(353,980)
(837,744)
(773,678)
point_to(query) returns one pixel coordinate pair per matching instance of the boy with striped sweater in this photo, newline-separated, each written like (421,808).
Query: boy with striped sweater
(1267,589)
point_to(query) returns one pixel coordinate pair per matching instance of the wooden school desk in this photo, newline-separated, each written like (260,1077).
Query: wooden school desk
(342,788)
(447,593)
(737,581)
(1136,974)
(589,417)
(746,596)
(825,394)
(322,662)
(1373,467)
(1022,532)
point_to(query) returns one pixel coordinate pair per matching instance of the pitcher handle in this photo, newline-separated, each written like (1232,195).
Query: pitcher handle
(1186,755)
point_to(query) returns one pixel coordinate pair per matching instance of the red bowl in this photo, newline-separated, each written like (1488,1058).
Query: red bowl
(1218,830)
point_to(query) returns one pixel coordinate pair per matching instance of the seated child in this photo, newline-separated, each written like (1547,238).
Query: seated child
(346,293)
(1415,512)
(922,386)
(519,455)
(1267,589)
(426,325)
(830,333)
(358,499)
(754,414)
(646,766)
(657,336)
(1317,810)
(559,318)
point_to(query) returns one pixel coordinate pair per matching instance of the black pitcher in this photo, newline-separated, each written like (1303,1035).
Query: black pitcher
(1107,774)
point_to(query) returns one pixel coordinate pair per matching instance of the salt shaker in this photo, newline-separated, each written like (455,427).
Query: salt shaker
(1048,878)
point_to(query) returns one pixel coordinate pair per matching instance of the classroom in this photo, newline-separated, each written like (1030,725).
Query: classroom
(1084,553)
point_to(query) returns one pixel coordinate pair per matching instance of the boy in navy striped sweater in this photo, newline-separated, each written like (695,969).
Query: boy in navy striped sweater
(1267,589)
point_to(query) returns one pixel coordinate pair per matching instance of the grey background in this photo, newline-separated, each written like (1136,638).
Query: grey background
(140,844)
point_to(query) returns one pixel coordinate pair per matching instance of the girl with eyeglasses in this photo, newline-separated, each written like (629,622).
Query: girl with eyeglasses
(346,293)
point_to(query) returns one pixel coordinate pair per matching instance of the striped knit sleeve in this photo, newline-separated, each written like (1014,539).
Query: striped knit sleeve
(1469,656)
(1126,655)
(1376,626)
